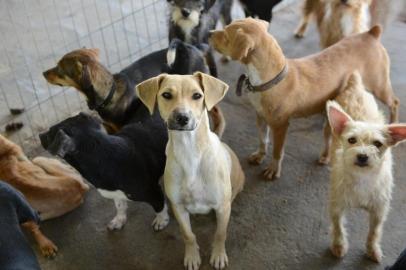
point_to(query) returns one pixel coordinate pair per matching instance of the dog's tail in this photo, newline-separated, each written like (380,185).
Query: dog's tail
(218,120)
(376,31)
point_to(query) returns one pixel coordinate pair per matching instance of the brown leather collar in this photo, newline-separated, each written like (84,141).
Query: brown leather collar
(263,87)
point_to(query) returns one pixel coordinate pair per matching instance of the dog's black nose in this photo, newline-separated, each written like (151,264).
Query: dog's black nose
(362,158)
(185,12)
(182,119)
(344,1)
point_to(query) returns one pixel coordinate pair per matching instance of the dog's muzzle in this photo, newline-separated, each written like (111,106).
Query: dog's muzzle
(362,160)
(181,121)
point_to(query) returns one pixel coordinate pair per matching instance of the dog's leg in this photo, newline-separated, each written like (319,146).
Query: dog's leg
(339,245)
(325,154)
(192,259)
(376,220)
(258,156)
(218,258)
(279,134)
(120,219)
(47,247)
(307,12)
(162,219)
(211,63)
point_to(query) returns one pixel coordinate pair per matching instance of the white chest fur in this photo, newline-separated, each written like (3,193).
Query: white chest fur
(197,178)
(255,98)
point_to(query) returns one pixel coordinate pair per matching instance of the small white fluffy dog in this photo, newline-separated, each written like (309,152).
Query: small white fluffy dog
(361,175)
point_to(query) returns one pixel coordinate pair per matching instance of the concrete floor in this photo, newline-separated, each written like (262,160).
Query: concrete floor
(274,225)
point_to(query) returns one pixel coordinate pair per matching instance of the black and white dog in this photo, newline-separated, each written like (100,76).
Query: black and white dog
(125,166)
(192,20)
(15,251)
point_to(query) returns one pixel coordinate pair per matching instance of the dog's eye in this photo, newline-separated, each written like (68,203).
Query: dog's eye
(167,95)
(196,96)
(378,144)
(352,140)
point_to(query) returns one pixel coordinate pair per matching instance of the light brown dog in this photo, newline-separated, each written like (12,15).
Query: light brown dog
(51,187)
(335,19)
(201,172)
(307,83)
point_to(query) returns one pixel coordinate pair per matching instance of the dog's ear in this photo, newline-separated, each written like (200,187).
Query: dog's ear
(242,45)
(62,144)
(337,118)
(214,89)
(396,133)
(147,91)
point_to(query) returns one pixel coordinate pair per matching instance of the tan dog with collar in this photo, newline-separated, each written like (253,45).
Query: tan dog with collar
(307,83)
(201,173)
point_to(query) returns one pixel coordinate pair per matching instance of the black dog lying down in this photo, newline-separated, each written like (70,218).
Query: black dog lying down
(113,95)
(124,166)
(15,251)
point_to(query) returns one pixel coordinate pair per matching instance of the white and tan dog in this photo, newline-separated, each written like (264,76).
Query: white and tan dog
(201,173)
(361,175)
(335,19)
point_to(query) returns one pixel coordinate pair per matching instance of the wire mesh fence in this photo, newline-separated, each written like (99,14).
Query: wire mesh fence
(35,34)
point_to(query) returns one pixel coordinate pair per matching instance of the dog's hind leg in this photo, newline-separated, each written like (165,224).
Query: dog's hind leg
(376,220)
(226,12)
(306,16)
(120,219)
(218,258)
(325,154)
(192,258)
(279,135)
(258,156)
(47,247)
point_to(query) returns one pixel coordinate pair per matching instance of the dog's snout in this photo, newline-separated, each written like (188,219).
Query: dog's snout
(185,12)
(182,119)
(362,160)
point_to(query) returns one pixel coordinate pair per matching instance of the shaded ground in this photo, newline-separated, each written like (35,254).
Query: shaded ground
(274,225)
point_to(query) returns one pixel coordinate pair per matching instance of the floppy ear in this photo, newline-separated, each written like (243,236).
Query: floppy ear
(147,91)
(62,144)
(214,89)
(397,133)
(337,118)
(242,45)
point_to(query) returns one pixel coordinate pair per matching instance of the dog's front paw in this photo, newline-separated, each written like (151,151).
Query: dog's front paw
(256,158)
(375,254)
(48,248)
(218,258)
(339,250)
(192,259)
(161,220)
(117,223)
